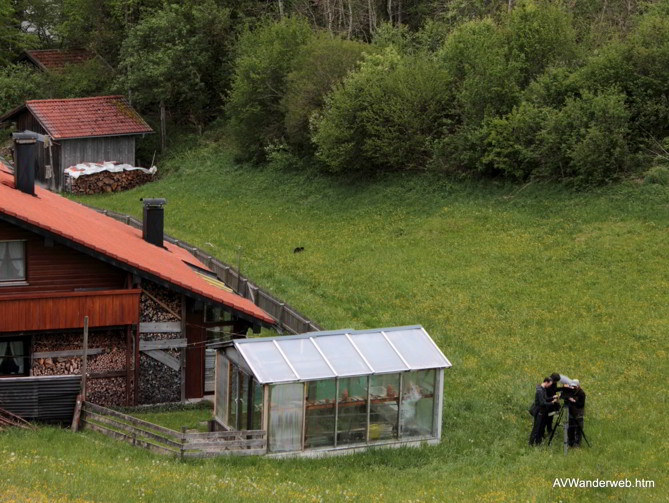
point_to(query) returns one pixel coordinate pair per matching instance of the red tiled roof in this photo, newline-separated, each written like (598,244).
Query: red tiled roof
(56,59)
(106,236)
(87,117)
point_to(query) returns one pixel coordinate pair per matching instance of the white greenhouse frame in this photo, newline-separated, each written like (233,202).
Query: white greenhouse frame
(333,391)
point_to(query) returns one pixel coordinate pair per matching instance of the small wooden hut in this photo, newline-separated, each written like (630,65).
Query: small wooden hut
(95,129)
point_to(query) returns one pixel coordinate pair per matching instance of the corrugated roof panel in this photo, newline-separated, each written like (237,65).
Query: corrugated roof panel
(342,355)
(417,349)
(267,362)
(305,359)
(378,352)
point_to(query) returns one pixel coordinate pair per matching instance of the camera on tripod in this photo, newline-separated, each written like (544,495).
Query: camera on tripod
(567,392)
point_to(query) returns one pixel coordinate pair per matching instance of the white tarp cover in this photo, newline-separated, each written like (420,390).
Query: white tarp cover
(90,168)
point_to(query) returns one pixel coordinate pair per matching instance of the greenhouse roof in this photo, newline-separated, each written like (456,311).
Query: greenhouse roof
(341,353)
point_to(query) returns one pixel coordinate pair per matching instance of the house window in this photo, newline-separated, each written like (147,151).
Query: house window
(12,261)
(13,356)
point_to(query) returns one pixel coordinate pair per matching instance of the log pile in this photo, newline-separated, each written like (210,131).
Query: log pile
(106,392)
(106,181)
(101,391)
(159,383)
(150,310)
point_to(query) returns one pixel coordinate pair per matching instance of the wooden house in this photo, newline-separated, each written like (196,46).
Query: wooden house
(151,306)
(95,129)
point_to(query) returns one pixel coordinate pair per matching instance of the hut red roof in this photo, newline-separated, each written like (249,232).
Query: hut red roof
(56,59)
(87,117)
(102,235)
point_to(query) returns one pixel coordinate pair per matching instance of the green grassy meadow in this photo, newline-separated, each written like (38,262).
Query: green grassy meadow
(512,282)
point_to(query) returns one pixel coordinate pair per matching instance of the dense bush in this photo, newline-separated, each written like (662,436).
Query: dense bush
(540,34)
(385,115)
(265,58)
(320,64)
(476,55)
(586,141)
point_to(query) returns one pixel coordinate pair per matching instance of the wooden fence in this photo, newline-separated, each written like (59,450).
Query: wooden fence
(166,441)
(287,317)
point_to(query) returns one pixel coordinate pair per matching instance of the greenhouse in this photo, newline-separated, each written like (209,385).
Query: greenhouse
(333,391)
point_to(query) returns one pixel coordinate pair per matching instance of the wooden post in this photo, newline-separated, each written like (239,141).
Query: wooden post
(183,350)
(128,362)
(77,413)
(136,398)
(84,358)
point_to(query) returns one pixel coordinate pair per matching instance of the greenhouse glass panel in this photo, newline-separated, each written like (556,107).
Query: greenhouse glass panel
(305,359)
(417,414)
(243,401)
(258,396)
(384,393)
(320,413)
(378,352)
(352,417)
(267,362)
(234,391)
(285,417)
(222,389)
(342,355)
(417,349)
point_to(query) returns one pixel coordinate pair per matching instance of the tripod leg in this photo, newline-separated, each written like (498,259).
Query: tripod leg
(557,423)
(578,425)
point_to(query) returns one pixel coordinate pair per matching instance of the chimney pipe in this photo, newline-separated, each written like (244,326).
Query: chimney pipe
(154,220)
(24,173)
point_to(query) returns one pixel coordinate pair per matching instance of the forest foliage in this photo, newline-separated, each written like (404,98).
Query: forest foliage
(521,89)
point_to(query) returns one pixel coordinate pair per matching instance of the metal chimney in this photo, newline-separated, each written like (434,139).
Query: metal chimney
(24,173)
(154,220)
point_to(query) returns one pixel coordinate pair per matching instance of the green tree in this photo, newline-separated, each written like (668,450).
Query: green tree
(177,59)
(385,115)
(540,35)
(265,58)
(12,39)
(320,64)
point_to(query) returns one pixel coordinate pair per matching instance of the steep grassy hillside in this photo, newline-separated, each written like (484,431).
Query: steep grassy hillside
(512,283)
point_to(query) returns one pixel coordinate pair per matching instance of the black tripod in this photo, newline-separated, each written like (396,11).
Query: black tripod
(557,423)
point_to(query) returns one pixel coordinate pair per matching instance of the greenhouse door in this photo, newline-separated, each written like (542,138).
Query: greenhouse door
(286,411)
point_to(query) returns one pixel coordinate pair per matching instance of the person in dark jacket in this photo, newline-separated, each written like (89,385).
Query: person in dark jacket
(540,409)
(576,414)
(551,391)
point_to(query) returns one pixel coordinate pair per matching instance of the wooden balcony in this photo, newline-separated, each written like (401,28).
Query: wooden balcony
(59,310)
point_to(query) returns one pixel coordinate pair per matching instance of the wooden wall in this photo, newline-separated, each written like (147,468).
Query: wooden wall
(111,148)
(196,336)
(27,122)
(59,268)
(54,311)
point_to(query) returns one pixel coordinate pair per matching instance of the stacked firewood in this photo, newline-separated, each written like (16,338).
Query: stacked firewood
(159,383)
(106,181)
(106,391)
(168,307)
